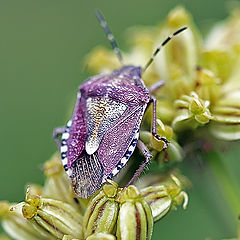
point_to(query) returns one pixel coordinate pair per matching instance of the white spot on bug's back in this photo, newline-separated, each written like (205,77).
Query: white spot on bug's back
(91,147)
(131,149)
(115,171)
(64,148)
(64,161)
(65,136)
(124,160)
(69,123)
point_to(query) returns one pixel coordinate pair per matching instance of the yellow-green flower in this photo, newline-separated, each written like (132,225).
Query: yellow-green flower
(201,76)
(164,193)
(191,112)
(135,219)
(106,217)
(101,236)
(102,211)
(201,91)
(52,218)
(15,224)
(58,184)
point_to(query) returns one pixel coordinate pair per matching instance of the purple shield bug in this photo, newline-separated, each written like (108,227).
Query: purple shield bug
(104,129)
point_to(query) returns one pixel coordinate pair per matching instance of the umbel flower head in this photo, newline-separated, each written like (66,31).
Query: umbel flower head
(201,91)
(202,87)
(105,215)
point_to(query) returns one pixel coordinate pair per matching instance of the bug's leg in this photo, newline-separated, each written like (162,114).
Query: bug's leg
(154,117)
(146,153)
(155,86)
(56,133)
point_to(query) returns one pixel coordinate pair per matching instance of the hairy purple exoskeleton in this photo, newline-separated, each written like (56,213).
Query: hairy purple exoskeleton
(104,129)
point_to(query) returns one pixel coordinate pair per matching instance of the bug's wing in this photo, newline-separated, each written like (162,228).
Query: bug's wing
(117,141)
(85,171)
(86,175)
(77,133)
(102,113)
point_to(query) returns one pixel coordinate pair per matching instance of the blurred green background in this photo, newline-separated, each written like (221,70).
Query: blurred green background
(42,46)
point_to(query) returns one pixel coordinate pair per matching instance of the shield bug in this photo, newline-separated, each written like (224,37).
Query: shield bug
(104,129)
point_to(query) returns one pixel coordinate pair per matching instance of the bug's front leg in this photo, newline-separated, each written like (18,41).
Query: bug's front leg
(56,133)
(154,117)
(146,153)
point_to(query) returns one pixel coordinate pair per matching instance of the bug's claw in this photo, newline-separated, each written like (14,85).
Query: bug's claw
(166,142)
(166,159)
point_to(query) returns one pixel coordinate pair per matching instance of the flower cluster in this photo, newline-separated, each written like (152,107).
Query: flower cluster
(202,87)
(201,95)
(54,212)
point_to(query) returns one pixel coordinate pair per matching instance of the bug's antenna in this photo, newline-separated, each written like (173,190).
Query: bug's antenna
(163,44)
(109,35)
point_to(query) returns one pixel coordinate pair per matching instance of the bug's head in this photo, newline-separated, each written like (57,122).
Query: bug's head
(130,71)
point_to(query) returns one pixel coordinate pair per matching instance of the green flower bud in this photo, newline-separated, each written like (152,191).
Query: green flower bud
(221,47)
(227,132)
(164,193)
(179,57)
(101,236)
(158,199)
(102,211)
(174,150)
(155,179)
(191,112)
(156,144)
(52,218)
(207,85)
(58,184)
(226,124)
(135,218)
(145,136)
(174,189)
(162,130)
(16,225)
(219,61)
(226,34)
